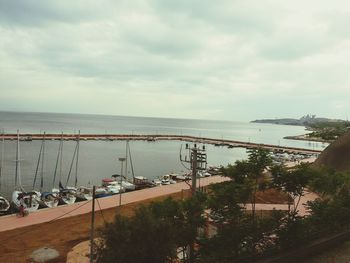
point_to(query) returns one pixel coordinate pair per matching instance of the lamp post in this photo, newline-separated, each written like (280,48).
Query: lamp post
(121,159)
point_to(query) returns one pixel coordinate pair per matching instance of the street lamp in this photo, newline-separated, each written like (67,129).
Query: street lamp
(121,159)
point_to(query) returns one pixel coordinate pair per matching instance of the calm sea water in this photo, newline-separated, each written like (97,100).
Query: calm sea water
(99,159)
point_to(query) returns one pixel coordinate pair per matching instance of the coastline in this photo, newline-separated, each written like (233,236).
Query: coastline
(63,240)
(304,137)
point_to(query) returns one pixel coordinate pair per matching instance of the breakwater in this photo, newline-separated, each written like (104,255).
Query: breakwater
(159,137)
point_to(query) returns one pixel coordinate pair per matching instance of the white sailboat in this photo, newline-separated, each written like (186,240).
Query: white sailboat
(4,203)
(66,195)
(166,180)
(83,192)
(120,183)
(123,180)
(45,199)
(112,186)
(28,200)
(138,182)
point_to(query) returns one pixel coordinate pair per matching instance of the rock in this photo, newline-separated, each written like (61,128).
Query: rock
(44,254)
(336,155)
(79,253)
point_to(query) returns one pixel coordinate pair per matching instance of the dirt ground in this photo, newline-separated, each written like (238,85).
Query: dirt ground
(62,235)
(271,196)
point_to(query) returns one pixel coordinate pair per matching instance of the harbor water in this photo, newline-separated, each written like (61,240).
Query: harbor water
(99,159)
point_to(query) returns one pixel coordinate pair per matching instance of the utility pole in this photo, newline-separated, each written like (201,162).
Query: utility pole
(194,170)
(197,160)
(92,226)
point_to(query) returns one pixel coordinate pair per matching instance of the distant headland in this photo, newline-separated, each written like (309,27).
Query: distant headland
(307,120)
(322,129)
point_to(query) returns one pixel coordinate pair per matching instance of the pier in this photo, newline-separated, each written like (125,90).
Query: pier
(159,137)
(48,215)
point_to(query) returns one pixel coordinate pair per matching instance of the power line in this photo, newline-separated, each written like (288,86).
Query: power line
(104,220)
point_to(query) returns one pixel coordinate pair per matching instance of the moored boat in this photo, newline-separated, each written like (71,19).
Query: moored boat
(101,192)
(112,186)
(128,186)
(66,195)
(4,205)
(166,180)
(84,193)
(29,200)
(156,182)
(21,198)
(45,199)
(49,199)
(180,177)
(141,182)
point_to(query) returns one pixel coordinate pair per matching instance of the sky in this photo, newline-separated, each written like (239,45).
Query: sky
(203,59)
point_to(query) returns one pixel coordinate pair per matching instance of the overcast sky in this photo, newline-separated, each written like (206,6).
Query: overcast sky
(229,60)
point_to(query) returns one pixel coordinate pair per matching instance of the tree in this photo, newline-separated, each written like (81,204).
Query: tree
(239,234)
(154,233)
(327,181)
(332,213)
(292,181)
(250,172)
(141,238)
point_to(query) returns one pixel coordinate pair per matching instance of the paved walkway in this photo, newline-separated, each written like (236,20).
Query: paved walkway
(46,215)
(302,207)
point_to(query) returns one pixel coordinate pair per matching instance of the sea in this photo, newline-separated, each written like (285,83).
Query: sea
(99,159)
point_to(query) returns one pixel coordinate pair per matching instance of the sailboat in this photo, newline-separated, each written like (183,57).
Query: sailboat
(4,203)
(28,200)
(82,192)
(123,180)
(66,195)
(45,199)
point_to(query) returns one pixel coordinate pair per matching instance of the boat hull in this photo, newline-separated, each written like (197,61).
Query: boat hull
(84,193)
(4,205)
(66,196)
(28,200)
(49,200)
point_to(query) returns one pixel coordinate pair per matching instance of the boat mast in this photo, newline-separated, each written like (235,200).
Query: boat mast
(37,165)
(61,158)
(42,165)
(2,156)
(57,160)
(132,167)
(18,183)
(77,161)
(126,159)
(71,164)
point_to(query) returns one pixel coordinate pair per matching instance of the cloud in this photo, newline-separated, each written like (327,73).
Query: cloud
(41,13)
(233,60)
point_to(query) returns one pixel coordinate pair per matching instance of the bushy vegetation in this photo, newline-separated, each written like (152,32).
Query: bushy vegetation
(329,131)
(156,232)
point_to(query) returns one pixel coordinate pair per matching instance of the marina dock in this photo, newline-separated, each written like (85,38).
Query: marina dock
(159,137)
(10,222)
